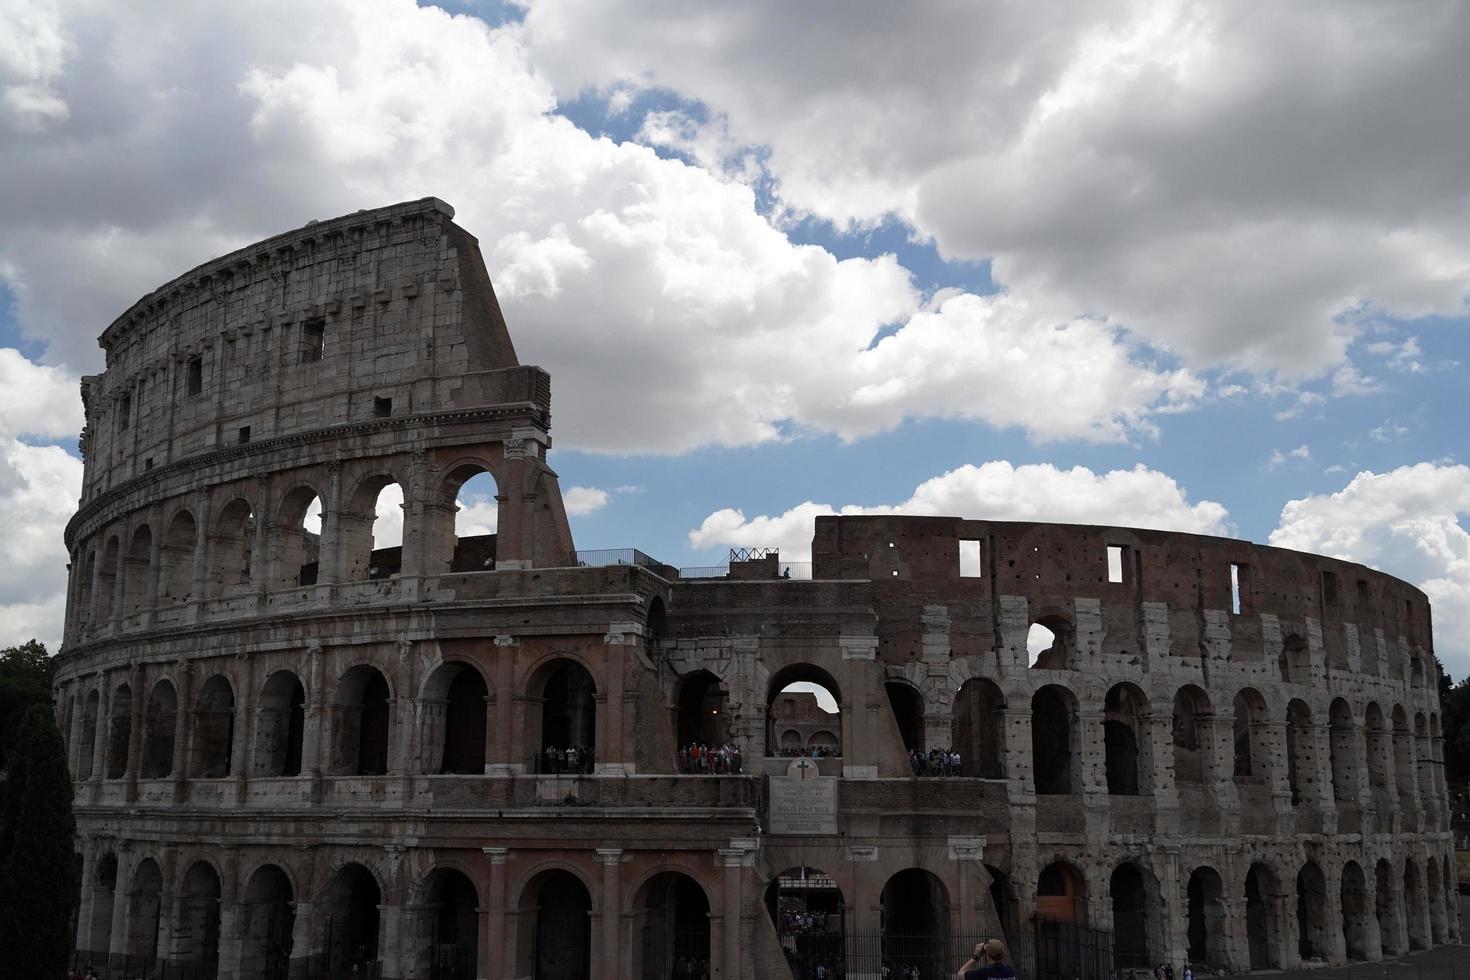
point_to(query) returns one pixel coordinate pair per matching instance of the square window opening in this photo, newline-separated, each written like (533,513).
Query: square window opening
(313,341)
(194,378)
(124,412)
(382,407)
(148,464)
(970,566)
(1239,587)
(1364,596)
(1116,563)
(244,434)
(1329,588)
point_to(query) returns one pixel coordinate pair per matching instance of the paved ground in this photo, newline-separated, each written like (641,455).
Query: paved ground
(1443,963)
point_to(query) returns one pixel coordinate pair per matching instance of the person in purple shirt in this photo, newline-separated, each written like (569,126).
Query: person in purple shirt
(988,963)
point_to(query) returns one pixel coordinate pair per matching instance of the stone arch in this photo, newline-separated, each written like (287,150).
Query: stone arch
(1353,899)
(444,927)
(1054,749)
(1295,661)
(779,701)
(176,559)
(1378,747)
(364,719)
(797,892)
(91,707)
(671,927)
(448,545)
(916,921)
(293,551)
(1301,756)
(561,716)
(214,728)
(138,570)
(1251,739)
(1061,893)
(196,928)
(267,923)
(554,927)
(160,721)
(701,712)
(1208,914)
(1344,739)
(791,742)
(107,591)
(456,699)
(232,550)
(1416,908)
(365,548)
(906,702)
(1138,935)
(1190,723)
(280,726)
(1063,640)
(144,909)
(349,919)
(1264,907)
(1312,929)
(1126,740)
(1006,903)
(120,730)
(978,721)
(1403,756)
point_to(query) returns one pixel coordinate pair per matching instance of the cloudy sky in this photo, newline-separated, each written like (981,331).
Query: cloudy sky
(1197,265)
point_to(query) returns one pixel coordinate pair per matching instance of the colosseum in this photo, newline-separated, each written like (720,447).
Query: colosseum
(299,751)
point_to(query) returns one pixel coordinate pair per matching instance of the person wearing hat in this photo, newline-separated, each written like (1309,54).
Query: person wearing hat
(988,963)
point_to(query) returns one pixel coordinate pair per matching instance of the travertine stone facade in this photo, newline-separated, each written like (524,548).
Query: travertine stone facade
(292,750)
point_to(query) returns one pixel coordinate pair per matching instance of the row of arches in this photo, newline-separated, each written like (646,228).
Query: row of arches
(243,545)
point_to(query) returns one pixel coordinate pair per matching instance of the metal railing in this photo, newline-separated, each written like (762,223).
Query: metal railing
(797,570)
(119,966)
(617,556)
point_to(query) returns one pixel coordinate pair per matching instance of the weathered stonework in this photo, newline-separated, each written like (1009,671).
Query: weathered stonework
(286,743)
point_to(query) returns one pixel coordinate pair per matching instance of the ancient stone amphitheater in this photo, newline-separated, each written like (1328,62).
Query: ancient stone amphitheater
(298,752)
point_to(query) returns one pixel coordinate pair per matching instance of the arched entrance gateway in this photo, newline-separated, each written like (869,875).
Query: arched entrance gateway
(554,928)
(1263,900)
(674,933)
(806,907)
(1207,921)
(803,713)
(267,924)
(916,925)
(446,936)
(1137,936)
(561,718)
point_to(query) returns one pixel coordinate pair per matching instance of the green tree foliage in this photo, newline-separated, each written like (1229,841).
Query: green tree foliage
(25,680)
(1454,705)
(38,886)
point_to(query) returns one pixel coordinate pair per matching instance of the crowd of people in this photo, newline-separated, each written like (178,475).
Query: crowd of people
(937,762)
(574,759)
(813,752)
(795,922)
(698,759)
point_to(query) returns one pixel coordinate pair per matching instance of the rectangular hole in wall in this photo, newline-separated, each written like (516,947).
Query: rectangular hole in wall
(244,434)
(1238,579)
(148,464)
(1364,598)
(382,407)
(970,559)
(1116,563)
(1329,588)
(124,412)
(313,341)
(194,376)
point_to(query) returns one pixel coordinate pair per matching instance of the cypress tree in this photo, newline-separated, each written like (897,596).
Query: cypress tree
(37,852)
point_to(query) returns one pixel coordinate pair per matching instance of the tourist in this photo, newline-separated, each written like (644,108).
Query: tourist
(988,963)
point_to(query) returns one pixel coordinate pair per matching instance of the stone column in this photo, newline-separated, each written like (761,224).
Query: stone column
(88,897)
(1336,951)
(859,708)
(728,964)
(315,749)
(244,730)
(123,884)
(611,859)
(179,768)
(1159,729)
(329,551)
(155,569)
(304,938)
(612,751)
(1277,774)
(1397,940)
(199,587)
(136,682)
(494,959)
(74,736)
(502,755)
(1090,770)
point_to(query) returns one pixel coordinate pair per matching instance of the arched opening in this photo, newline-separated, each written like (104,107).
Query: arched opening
(231,548)
(1403,756)
(107,581)
(1049,643)
(196,930)
(295,538)
(120,731)
(561,718)
(806,907)
(1435,889)
(1252,747)
(675,930)
(371,529)
(449,928)
(1378,747)
(460,697)
(280,726)
(556,935)
(145,908)
(176,584)
(1344,738)
(978,723)
(1190,728)
(1416,911)
(1354,900)
(104,893)
(1208,923)
(907,705)
(1125,720)
(1052,732)
(1301,759)
(916,924)
(160,719)
(804,699)
(467,543)
(1005,902)
(362,713)
(1311,913)
(138,568)
(1385,909)
(1263,900)
(90,710)
(268,921)
(1295,661)
(1061,894)
(1136,933)
(350,921)
(702,725)
(214,728)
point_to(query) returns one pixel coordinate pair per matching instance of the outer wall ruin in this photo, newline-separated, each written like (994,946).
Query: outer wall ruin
(292,748)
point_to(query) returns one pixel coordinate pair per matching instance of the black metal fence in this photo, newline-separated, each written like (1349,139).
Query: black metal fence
(118,966)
